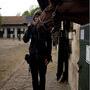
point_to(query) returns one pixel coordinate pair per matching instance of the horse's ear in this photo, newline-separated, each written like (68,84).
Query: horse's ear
(51,2)
(55,2)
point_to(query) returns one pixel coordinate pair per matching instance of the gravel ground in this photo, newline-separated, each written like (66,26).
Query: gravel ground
(16,70)
(11,55)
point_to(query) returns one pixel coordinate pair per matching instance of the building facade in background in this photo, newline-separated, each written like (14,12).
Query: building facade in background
(14,26)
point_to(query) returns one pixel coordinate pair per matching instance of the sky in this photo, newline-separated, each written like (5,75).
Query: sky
(12,7)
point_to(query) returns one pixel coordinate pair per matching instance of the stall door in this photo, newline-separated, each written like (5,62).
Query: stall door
(83,64)
(8,32)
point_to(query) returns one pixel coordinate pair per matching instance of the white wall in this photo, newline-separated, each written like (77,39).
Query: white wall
(15,31)
(74,58)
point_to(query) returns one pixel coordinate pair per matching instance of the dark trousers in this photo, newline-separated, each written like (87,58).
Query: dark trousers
(38,72)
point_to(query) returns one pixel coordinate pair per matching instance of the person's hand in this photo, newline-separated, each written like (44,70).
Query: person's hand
(33,22)
(46,62)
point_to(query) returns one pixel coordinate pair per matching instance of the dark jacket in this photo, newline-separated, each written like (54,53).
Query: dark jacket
(41,43)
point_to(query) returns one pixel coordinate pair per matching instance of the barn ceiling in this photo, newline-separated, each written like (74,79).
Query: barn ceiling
(73,10)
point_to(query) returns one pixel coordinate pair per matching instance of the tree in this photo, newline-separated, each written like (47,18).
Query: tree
(31,12)
(26,13)
(34,10)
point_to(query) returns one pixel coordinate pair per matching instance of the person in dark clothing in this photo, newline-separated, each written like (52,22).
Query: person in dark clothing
(39,52)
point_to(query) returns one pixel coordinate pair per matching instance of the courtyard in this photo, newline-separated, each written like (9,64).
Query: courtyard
(14,73)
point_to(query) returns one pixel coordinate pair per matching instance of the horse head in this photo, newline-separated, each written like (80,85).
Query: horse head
(46,17)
